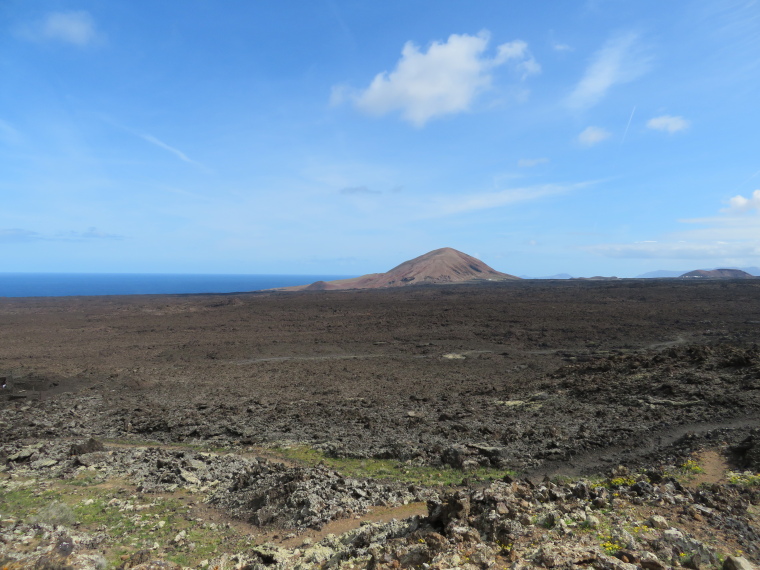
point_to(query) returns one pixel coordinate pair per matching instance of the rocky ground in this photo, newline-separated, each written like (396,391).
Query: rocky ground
(556,424)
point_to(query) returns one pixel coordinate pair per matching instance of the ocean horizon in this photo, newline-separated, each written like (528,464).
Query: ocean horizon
(95,284)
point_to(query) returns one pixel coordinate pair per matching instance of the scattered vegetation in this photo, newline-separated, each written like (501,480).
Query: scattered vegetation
(691,467)
(129,521)
(746,478)
(388,469)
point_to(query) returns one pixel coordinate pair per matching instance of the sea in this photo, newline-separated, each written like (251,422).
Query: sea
(88,284)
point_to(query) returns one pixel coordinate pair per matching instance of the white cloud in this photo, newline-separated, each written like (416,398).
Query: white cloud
(74,27)
(443,80)
(518,51)
(739,204)
(593,135)
(561,47)
(621,60)
(668,124)
(531,162)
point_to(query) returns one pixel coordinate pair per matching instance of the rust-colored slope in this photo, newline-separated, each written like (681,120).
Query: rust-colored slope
(445,265)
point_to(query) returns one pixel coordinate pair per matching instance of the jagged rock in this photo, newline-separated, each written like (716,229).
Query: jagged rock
(649,561)
(90,446)
(738,563)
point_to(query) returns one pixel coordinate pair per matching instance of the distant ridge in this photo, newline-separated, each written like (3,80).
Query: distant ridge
(661,274)
(445,265)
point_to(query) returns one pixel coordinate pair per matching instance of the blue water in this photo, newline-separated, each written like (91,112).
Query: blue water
(68,284)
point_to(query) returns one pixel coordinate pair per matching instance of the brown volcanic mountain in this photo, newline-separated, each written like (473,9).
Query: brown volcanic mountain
(445,265)
(717,274)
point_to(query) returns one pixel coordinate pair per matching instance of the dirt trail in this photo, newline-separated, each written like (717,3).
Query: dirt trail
(634,449)
(341,526)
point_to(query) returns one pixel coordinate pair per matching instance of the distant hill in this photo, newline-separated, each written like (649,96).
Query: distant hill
(557,276)
(717,274)
(445,265)
(665,273)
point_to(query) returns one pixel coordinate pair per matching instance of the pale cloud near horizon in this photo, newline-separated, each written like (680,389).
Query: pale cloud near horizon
(18,235)
(731,235)
(591,136)
(75,27)
(668,123)
(89,234)
(531,162)
(441,81)
(620,60)
(742,252)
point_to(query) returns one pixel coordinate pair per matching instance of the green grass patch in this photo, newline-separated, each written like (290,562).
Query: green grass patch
(387,469)
(130,521)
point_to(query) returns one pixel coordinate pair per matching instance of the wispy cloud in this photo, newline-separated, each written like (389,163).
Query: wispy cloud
(359,190)
(91,233)
(531,162)
(8,134)
(444,80)
(489,200)
(161,144)
(73,27)
(621,60)
(591,136)
(668,123)
(17,235)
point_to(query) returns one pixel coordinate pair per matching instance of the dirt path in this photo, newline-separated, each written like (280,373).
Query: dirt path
(635,448)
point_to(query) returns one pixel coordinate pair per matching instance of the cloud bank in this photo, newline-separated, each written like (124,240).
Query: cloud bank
(441,81)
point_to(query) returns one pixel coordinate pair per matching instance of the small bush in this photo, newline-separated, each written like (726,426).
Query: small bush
(55,514)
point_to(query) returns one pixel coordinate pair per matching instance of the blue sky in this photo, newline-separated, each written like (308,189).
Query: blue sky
(596,137)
